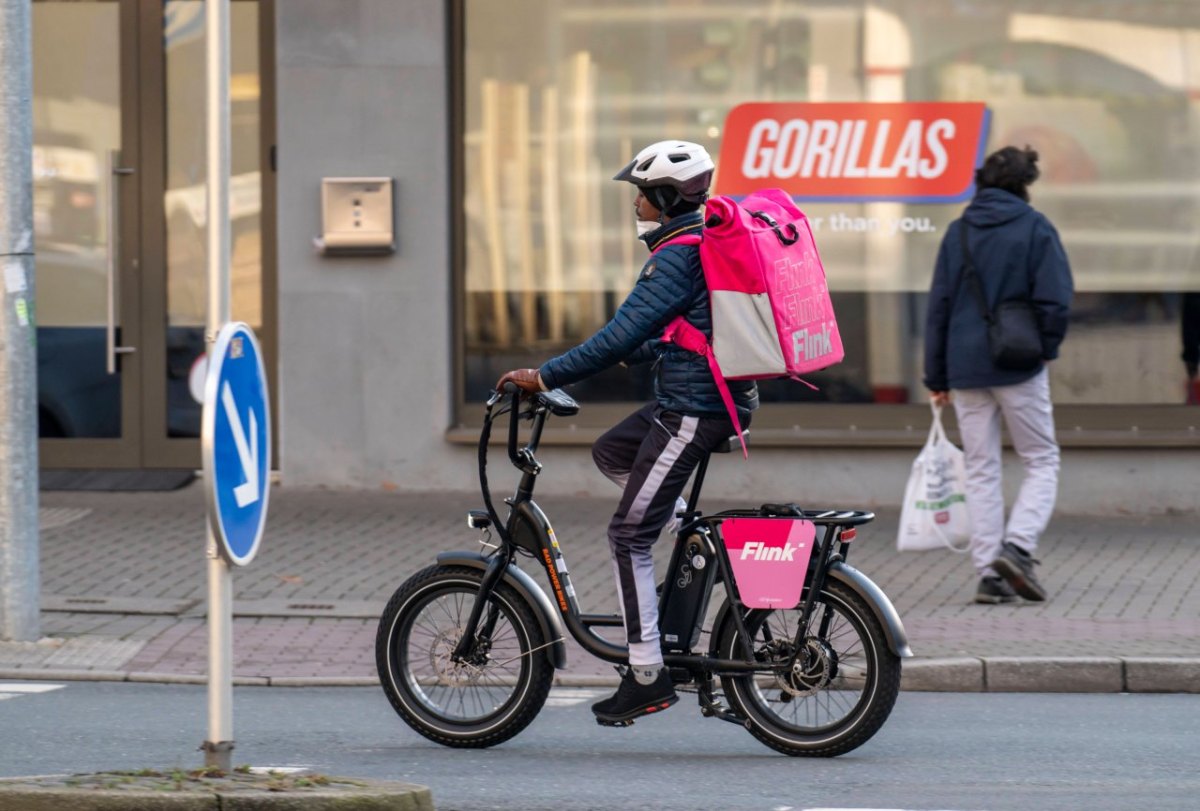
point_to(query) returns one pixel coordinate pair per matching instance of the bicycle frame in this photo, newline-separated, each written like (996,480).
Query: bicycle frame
(528,529)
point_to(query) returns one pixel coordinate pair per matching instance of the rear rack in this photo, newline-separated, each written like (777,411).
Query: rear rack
(823,518)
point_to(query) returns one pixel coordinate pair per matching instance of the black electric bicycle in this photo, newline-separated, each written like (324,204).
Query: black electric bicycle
(466,649)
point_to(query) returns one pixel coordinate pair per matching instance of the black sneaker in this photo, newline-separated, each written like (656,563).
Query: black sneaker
(1016,566)
(994,590)
(633,700)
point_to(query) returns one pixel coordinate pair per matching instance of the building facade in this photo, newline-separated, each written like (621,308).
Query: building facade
(500,124)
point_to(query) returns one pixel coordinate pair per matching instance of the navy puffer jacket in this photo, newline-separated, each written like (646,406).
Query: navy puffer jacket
(1017,254)
(671,284)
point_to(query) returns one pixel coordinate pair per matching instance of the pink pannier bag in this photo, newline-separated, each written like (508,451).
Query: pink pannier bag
(771,312)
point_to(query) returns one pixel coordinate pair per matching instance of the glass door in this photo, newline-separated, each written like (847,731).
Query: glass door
(120,210)
(85,204)
(180,316)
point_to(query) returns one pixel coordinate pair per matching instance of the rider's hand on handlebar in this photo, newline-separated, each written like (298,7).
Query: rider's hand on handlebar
(524,379)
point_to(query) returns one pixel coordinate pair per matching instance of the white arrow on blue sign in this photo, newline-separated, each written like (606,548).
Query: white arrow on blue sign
(235,439)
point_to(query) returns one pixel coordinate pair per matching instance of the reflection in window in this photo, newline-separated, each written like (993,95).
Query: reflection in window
(550,248)
(76,110)
(186,196)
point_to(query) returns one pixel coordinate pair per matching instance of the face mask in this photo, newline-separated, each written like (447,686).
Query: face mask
(646,226)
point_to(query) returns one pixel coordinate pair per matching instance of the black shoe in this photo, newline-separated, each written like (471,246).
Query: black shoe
(1016,566)
(633,700)
(994,590)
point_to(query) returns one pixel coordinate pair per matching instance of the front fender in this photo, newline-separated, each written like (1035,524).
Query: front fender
(543,609)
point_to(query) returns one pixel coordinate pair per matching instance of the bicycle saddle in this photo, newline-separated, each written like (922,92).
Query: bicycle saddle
(732,442)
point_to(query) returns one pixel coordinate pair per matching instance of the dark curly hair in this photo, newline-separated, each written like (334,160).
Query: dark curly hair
(1010,169)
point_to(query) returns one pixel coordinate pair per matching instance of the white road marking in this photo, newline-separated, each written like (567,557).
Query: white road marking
(25,688)
(278,769)
(571,696)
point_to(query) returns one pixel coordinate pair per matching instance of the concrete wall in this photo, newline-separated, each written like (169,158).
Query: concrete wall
(365,357)
(365,349)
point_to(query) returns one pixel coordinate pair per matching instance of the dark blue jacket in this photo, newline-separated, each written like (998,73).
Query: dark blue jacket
(1017,254)
(671,284)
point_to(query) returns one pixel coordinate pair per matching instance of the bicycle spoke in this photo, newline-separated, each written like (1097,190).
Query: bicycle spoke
(836,668)
(468,690)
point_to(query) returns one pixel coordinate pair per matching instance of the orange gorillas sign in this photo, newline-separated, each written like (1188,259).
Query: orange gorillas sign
(854,151)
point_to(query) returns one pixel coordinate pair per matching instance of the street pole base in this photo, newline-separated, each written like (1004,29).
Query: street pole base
(218,755)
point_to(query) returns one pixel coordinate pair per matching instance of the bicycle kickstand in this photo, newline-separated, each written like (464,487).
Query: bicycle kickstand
(711,706)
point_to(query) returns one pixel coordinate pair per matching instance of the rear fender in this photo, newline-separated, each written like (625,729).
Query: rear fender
(543,609)
(885,612)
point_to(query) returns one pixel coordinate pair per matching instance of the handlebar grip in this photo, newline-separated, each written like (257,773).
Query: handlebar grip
(509,387)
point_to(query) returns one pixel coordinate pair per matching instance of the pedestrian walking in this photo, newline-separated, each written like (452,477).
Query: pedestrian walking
(652,452)
(1000,258)
(1190,330)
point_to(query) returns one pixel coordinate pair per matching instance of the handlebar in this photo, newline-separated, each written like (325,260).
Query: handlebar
(518,457)
(541,404)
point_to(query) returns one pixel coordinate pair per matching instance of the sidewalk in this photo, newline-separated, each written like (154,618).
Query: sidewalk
(124,585)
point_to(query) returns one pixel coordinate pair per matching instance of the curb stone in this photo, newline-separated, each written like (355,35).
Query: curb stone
(47,674)
(1047,674)
(325,681)
(236,793)
(1162,675)
(957,675)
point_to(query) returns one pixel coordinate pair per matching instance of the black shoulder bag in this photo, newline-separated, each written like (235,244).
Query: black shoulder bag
(1013,334)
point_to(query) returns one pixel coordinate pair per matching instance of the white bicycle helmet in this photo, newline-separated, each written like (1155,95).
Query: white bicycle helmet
(681,165)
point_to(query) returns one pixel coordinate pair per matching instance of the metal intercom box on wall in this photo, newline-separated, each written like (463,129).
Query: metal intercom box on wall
(356,216)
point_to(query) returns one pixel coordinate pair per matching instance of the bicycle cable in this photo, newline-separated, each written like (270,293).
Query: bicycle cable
(484,436)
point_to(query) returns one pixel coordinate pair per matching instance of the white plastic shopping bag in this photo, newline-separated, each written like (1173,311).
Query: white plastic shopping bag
(935,514)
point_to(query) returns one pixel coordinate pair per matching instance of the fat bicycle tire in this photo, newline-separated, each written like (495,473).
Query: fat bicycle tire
(460,705)
(851,672)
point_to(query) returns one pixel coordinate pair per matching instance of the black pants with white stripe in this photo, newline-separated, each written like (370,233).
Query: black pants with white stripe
(651,454)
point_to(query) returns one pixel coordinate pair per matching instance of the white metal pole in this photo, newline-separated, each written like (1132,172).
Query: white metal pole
(18,361)
(219,745)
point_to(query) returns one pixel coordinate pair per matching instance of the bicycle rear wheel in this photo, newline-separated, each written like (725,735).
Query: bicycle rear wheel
(484,700)
(841,689)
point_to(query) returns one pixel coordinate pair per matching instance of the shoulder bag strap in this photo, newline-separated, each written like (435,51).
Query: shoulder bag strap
(685,336)
(971,277)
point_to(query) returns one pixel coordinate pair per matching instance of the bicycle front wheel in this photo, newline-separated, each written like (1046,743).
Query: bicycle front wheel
(488,696)
(842,685)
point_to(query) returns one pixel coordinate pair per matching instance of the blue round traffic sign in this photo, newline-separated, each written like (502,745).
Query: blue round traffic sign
(235,441)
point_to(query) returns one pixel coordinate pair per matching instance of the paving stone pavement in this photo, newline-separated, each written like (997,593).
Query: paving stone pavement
(124,583)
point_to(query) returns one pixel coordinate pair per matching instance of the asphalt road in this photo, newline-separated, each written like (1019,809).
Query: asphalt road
(966,752)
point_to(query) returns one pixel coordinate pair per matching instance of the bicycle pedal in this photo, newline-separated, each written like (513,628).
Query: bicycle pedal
(604,723)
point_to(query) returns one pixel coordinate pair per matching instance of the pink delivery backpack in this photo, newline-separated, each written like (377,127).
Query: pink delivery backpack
(771,312)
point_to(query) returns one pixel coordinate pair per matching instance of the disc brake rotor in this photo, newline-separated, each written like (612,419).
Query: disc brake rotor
(813,670)
(450,672)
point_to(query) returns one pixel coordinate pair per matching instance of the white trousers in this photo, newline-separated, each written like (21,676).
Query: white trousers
(1029,417)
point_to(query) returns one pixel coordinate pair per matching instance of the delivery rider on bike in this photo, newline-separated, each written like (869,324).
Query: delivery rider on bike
(652,452)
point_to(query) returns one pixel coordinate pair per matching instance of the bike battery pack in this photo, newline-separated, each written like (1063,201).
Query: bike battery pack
(685,594)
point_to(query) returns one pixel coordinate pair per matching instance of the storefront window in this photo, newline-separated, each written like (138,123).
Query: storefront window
(1105,92)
